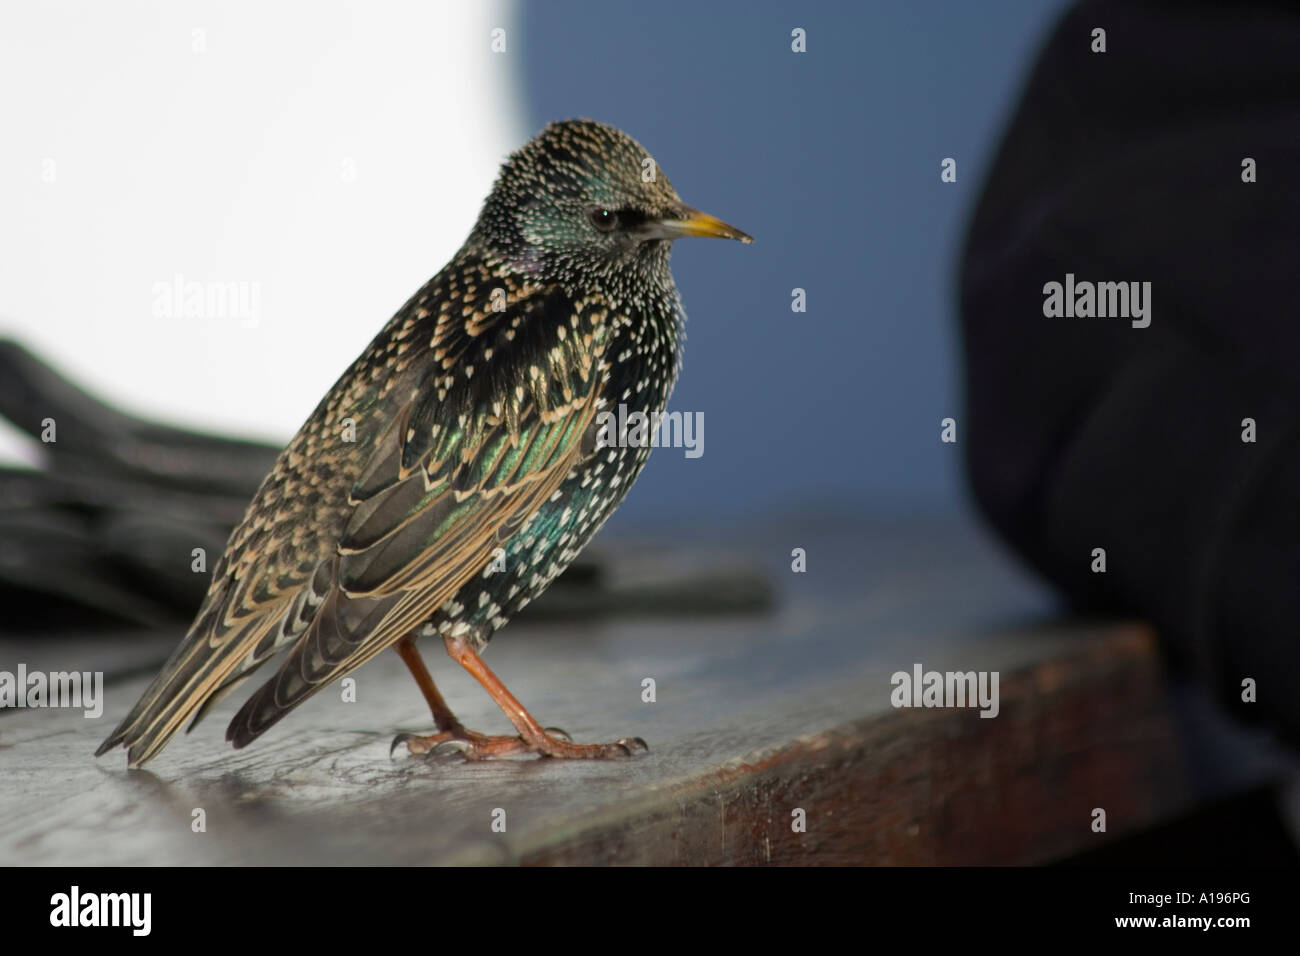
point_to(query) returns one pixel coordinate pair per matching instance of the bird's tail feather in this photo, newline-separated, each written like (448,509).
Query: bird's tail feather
(184,688)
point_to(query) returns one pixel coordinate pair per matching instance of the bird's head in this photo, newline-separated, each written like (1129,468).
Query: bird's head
(582,199)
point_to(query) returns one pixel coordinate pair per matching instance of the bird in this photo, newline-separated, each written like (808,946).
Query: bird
(460,463)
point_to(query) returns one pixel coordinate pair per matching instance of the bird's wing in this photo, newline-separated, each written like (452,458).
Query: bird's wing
(461,467)
(265,590)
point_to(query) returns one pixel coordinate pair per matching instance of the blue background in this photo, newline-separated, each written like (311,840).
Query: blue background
(831,160)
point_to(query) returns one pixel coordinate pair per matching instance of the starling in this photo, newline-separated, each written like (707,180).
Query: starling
(459,464)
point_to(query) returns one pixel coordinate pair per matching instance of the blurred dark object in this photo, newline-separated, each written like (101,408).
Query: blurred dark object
(103,532)
(106,528)
(1085,433)
(1244,830)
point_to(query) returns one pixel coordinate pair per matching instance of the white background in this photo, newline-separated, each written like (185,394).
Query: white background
(335,154)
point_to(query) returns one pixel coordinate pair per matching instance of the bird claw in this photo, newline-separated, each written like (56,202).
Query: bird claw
(451,746)
(632,744)
(398,741)
(559,732)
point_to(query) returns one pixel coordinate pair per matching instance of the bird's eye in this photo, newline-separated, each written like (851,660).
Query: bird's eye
(604,219)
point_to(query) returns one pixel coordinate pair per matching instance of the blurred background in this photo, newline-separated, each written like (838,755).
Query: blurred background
(329,158)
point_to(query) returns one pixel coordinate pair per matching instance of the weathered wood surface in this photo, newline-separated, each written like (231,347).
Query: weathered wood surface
(756,715)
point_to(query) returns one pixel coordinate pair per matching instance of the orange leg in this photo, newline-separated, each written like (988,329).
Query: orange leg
(449,727)
(452,734)
(532,735)
(442,715)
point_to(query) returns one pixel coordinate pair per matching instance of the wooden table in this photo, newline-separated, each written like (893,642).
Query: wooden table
(757,715)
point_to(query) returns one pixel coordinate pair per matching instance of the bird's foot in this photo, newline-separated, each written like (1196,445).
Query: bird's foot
(457,738)
(552,742)
(548,744)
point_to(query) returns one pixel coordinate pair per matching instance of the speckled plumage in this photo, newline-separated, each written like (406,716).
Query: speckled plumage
(472,419)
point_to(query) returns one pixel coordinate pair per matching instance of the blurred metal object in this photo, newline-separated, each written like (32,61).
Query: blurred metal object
(103,533)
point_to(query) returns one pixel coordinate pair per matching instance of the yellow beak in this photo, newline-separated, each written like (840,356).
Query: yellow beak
(692,222)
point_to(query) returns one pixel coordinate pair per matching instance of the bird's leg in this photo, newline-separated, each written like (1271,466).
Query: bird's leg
(533,737)
(442,715)
(449,728)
